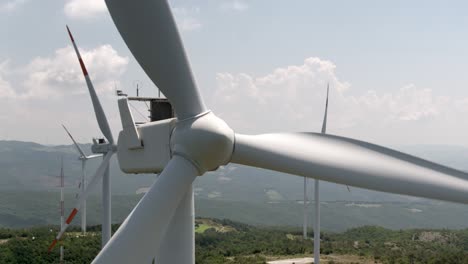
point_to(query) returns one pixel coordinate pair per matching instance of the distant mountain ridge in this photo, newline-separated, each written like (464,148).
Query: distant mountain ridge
(32,166)
(29,193)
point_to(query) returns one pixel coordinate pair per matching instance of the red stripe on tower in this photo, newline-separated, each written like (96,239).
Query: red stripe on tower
(72,215)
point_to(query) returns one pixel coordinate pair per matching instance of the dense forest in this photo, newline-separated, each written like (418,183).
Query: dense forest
(224,241)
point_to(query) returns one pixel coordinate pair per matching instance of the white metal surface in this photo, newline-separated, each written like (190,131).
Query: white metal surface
(317,194)
(325,115)
(61,254)
(317,223)
(62,205)
(304,224)
(62,195)
(83,188)
(155,152)
(351,162)
(141,233)
(206,140)
(130,135)
(179,240)
(149,26)
(106,207)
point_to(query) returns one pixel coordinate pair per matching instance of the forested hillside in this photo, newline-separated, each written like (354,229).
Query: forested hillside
(225,241)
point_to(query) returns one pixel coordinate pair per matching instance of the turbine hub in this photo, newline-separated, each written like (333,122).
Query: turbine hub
(205,140)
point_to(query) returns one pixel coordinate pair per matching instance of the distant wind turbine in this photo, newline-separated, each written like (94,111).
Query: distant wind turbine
(317,194)
(83,157)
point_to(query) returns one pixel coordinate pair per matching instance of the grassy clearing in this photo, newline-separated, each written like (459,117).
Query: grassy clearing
(200,229)
(201,225)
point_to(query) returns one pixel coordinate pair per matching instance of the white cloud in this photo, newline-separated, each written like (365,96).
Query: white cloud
(292,98)
(235,5)
(286,94)
(84,9)
(51,90)
(11,5)
(53,76)
(5,87)
(186,18)
(60,74)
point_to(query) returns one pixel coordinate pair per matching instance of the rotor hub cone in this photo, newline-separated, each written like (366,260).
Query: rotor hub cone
(205,140)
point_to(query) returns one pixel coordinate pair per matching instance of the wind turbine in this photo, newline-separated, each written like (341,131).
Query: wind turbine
(107,149)
(100,146)
(317,194)
(83,157)
(197,141)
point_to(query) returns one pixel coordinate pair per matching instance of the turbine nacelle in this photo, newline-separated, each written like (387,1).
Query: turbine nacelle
(205,140)
(101,146)
(155,151)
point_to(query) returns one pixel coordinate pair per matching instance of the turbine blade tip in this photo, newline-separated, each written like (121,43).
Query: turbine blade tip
(52,246)
(70,34)
(71,216)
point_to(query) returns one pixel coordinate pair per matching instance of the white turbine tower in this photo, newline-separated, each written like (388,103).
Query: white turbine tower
(62,206)
(304,224)
(83,157)
(317,194)
(197,141)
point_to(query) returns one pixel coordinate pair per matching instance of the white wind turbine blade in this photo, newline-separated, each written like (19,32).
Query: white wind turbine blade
(325,115)
(93,156)
(351,162)
(74,142)
(100,115)
(141,233)
(149,30)
(83,196)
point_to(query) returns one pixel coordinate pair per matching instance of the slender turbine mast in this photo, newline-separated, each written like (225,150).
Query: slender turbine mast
(83,157)
(62,205)
(317,194)
(304,225)
(197,141)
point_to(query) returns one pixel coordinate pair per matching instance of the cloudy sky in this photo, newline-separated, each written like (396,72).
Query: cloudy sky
(398,71)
